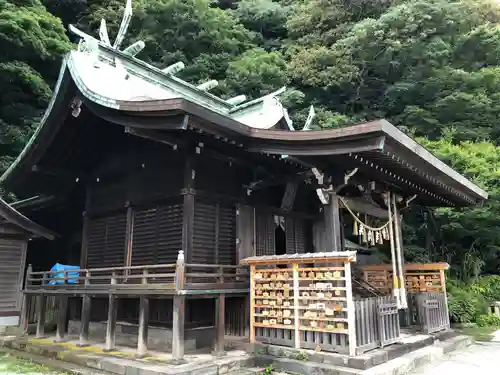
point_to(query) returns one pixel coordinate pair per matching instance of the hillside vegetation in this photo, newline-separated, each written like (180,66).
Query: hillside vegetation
(431,67)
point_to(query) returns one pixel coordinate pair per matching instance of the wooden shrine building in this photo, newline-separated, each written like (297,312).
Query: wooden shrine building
(158,189)
(15,232)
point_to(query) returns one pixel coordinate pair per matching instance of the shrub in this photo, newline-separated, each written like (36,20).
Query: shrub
(464,304)
(488,320)
(488,286)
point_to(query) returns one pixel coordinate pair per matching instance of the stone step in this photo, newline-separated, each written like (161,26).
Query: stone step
(247,371)
(305,367)
(401,365)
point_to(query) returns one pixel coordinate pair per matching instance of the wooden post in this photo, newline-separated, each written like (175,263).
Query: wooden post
(188,209)
(219,325)
(61,318)
(351,318)
(40,316)
(111,325)
(178,329)
(24,307)
(248,305)
(252,303)
(142,339)
(332,224)
(179,312)
(128,238)
(85,315)
(296,303)
(443,288)
(85,237)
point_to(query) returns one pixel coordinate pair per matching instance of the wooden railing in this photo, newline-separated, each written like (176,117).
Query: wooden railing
(377,323)
(429,311)
(178,278)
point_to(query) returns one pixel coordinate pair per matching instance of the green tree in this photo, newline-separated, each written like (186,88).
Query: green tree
(411,64)
(31,44)
(256,73)
(266,17)
(205,38)
(468,238)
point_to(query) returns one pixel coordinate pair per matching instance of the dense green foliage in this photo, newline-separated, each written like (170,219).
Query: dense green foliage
(465,303)
(469,302)
(31,41)
(488,320)
(431,67)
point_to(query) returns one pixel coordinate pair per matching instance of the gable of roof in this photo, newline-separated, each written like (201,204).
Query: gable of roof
(15,218)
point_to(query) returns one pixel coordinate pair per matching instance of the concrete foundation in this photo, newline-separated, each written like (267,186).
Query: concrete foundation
(159,338)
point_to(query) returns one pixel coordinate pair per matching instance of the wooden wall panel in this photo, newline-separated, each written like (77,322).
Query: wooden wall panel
(291,247)
(264,233)
(144,236)
(226,252)
(245,227)
(204,236)
(157,233)
(106,241)
(12,259)
(214,239)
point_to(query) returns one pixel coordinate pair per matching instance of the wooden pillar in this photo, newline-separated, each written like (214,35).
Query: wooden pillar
(25,302)
(351,310)
(252,303)
(220,327)
(111,325)
(62,308)
(188,208)
(85,315)
(443,289)
(247,315)
(179,312)
(178,329)
(332,224)
(142,338)
(85,321)
(40,316)
(85,236)
(129,237)
(24,315)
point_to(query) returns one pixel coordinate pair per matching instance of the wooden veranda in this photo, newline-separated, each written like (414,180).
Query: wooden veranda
(177,281)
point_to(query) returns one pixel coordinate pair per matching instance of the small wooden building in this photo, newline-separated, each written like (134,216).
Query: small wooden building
(15,232)
(158,189)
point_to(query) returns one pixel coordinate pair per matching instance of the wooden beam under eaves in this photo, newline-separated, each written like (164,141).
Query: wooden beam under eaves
(292,178)
(315,149)
(363,207)
(156,136)
(57,172)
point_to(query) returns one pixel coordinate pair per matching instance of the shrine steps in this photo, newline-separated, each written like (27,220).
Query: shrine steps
(364,365)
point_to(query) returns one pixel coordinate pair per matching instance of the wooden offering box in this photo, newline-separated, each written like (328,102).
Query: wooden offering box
(419,278)
(303,300)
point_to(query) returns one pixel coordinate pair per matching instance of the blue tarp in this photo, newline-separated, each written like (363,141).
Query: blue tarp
(60,275)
